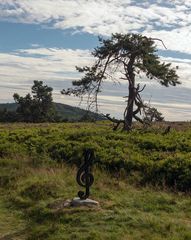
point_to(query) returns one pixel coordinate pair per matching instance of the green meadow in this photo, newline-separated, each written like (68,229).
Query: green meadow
(142,181)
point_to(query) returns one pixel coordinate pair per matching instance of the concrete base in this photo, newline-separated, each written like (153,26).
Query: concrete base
(77,202)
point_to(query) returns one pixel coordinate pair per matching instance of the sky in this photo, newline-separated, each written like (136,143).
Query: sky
(46,39)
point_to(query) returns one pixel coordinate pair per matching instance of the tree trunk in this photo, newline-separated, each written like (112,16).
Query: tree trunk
(128,117)
(128,114)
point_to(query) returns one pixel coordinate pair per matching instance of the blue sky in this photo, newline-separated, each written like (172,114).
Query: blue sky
(23,36)
(46,39)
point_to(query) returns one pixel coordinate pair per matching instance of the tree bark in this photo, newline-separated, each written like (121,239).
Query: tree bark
(128,118)
(128,114)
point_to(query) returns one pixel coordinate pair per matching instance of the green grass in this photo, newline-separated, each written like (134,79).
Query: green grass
(126,212)
(11,221)
(38,168)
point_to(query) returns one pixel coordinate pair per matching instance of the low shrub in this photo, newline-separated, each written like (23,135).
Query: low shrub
(158,159)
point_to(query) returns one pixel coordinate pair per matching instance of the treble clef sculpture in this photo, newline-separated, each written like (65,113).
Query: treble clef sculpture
(84,176)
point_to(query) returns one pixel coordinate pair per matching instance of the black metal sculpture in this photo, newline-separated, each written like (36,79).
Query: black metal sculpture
(84,176)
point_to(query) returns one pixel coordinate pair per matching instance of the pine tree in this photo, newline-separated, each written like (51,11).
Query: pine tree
(124,57)
(37,107)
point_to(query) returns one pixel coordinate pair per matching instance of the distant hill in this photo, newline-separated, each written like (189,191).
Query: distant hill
(74,113)
(64,111)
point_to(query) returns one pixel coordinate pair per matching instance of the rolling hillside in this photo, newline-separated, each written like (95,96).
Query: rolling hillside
(65,112)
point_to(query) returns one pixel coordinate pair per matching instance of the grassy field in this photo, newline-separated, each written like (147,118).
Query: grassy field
(137,199)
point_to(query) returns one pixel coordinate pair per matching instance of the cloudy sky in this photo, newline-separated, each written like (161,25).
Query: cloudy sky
(46,39)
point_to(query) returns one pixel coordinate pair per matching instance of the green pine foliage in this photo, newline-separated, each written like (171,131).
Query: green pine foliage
(37,107)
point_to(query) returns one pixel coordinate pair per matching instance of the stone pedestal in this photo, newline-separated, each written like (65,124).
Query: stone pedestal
(77,202)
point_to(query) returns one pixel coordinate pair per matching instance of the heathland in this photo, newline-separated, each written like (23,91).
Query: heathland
(142,181)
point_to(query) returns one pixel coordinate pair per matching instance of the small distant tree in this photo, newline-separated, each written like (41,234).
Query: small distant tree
(37,107)
(24,108)
(152,115)
(123,57)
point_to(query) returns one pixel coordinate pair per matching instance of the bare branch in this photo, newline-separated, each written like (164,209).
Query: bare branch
(158,39)
(142,88)
(114,120)
(138,119)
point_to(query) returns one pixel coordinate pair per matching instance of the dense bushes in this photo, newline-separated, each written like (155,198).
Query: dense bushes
(163,160)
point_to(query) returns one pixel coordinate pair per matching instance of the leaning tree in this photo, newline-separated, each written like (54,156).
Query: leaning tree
(123,57)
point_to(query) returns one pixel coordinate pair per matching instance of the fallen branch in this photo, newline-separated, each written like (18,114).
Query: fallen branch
(114,120)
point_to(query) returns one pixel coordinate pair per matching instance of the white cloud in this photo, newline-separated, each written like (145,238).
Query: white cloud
(35,45)
(42,63)
(169,20)
(55,66)
(183,71)
(171,111)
